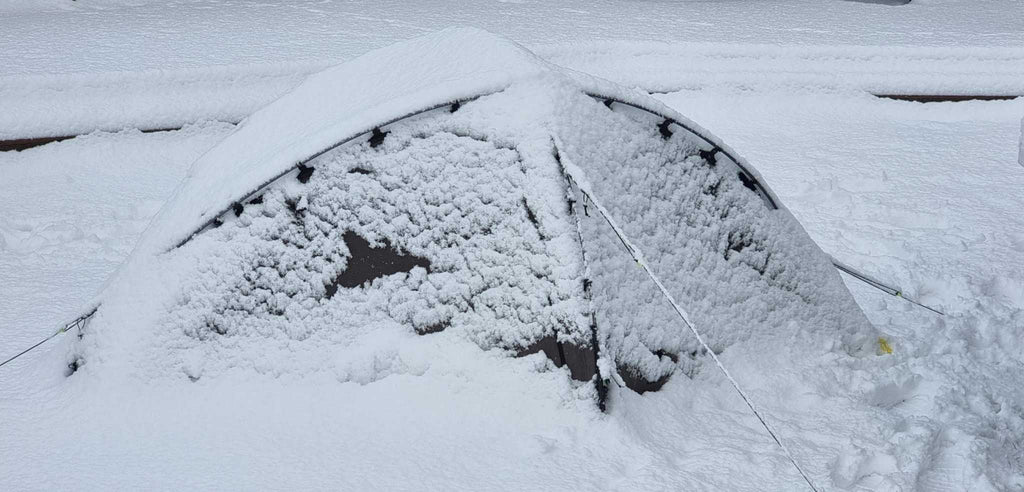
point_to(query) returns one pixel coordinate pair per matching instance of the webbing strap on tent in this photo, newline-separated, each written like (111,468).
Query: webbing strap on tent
(573,175)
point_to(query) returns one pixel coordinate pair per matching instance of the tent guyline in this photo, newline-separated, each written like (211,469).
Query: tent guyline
(666,130)
(867,279)
(666,125)
(78,322)
(574,176)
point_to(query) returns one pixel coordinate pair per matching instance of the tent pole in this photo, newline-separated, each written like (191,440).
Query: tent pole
(867,279)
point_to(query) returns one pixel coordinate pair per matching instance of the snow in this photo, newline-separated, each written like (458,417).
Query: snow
(740,268)
(935,212)
(924,196)
(77,233)
(663,67)
(258,298)
(340,103)
(195,60)
(74,104)
(378,87)
(457,191)
(163,34)
(122,436)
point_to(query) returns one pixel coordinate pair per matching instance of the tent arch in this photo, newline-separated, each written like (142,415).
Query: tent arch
(671,121)
(738,274)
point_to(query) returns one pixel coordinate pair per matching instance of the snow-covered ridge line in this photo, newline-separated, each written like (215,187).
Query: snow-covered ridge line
(72,104)
(672,124)
(37,106)
(660,67)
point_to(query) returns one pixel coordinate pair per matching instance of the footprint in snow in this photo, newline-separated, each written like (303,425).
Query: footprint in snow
(894,393)
(862,468)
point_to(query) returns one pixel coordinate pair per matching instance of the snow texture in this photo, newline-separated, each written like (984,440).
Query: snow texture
(740,268)
(379,87)
(935,213)
(340,103)
(272,282)
(69,70)
(933,208)
(468,206)
(926,197)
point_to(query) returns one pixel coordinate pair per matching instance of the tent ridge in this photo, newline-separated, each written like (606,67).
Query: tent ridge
(749,178)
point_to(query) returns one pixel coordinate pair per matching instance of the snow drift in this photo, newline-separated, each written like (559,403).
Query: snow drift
(418,190)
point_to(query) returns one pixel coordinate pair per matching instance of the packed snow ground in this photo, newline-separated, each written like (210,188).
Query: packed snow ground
(925,195)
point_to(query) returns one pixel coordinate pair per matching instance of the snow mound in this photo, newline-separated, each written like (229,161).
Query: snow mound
(417,192)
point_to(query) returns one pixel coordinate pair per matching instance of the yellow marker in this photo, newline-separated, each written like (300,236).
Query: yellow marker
(883,346)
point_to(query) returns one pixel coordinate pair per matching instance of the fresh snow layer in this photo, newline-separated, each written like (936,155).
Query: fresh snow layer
(740,268)
(340,103)
(108,65)
(350,99)
(936,213)
(475,202)
(71,212)
(270,290)
(163,34)
(67,105)
(925,196)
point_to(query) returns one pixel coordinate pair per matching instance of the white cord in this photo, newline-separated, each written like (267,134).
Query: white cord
(572,173)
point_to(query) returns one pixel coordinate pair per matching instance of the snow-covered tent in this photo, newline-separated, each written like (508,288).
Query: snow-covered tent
(420,190)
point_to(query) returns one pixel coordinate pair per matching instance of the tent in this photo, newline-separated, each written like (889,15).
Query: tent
(421,190)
